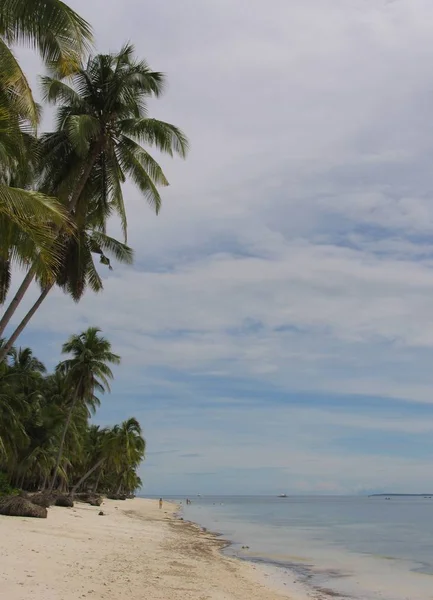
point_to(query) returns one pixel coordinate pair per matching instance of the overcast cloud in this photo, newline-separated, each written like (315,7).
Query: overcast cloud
(277,327)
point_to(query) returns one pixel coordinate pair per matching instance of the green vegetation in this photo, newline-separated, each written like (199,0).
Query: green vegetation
(46,438)
(58,191)
(28,218)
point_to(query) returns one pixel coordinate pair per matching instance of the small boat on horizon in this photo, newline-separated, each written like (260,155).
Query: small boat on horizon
(282,496)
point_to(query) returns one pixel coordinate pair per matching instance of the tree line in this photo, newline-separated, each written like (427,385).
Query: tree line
(47,440)
(58,191)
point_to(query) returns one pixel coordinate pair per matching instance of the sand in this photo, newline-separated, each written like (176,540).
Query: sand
(135,551)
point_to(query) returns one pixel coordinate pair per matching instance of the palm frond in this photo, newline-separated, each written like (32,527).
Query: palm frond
(102,243)
(166,137)
(56,91)
(81,130)
(58,32)
(15,84)
(133,167)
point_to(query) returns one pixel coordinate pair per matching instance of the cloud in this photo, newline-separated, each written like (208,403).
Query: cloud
(293,250)
(267,449)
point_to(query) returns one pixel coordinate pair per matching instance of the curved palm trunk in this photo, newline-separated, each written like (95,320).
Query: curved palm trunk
(62,440)
(98,479)
(16,300)
(26,319)
(9,312)
(86,475)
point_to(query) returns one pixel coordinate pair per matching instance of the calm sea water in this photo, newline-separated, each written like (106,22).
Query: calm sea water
(355,546)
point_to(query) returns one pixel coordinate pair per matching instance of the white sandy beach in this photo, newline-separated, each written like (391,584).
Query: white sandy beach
(134,551)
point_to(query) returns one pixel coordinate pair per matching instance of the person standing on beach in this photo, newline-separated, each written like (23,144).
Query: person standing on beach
(160,503)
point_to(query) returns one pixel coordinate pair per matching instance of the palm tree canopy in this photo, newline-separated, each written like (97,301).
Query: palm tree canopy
(23,360)
(28,224)
(102,122)
(34,408)
(26,218)
(78,269)
(88,369)
(61,37)
(59,34)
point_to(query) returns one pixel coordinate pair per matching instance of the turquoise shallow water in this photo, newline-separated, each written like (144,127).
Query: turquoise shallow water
(358,546)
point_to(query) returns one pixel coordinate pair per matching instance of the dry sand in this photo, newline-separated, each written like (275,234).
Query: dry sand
(135,551)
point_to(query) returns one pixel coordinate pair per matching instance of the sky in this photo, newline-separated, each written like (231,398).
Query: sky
(276,329)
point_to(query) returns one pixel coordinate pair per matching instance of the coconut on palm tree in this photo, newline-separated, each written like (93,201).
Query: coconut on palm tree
(101,139)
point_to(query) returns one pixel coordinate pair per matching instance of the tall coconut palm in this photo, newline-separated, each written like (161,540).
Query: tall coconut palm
(34,408)
(121,449)
(95,455)
(102,452)
(86,372)
(131,448)
(26,217)
(103,127)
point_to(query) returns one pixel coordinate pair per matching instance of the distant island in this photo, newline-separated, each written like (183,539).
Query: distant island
(389,495)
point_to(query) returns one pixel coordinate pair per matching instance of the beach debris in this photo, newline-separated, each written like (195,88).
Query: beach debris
(96,501)
(101,513)
(41,499)
(16,506)
(65,501)
(89,498)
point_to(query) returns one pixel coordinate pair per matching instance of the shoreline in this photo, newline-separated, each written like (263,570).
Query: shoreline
(326,571)
(134,550)
(270,574)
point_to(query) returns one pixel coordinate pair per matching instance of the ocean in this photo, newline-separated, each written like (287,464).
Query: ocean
(367,548)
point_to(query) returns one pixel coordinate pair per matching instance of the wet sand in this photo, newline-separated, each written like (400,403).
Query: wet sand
(134,551)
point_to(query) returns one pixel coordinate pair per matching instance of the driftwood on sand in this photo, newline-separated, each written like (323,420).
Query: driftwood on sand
(16,506)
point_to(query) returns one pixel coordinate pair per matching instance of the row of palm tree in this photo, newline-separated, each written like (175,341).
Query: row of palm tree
(59,190)
(47,440)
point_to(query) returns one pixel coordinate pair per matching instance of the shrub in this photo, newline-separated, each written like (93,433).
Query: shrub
(5,488)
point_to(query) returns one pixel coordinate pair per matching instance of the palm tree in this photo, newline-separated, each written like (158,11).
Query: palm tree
(86,372)
(21,381)
(27,237)
(121,449)
(13,435)
(23,361)
(102,451)
(102,127)
(34,408)
(26,217)
(131,447)
(59,34)
(77,270)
